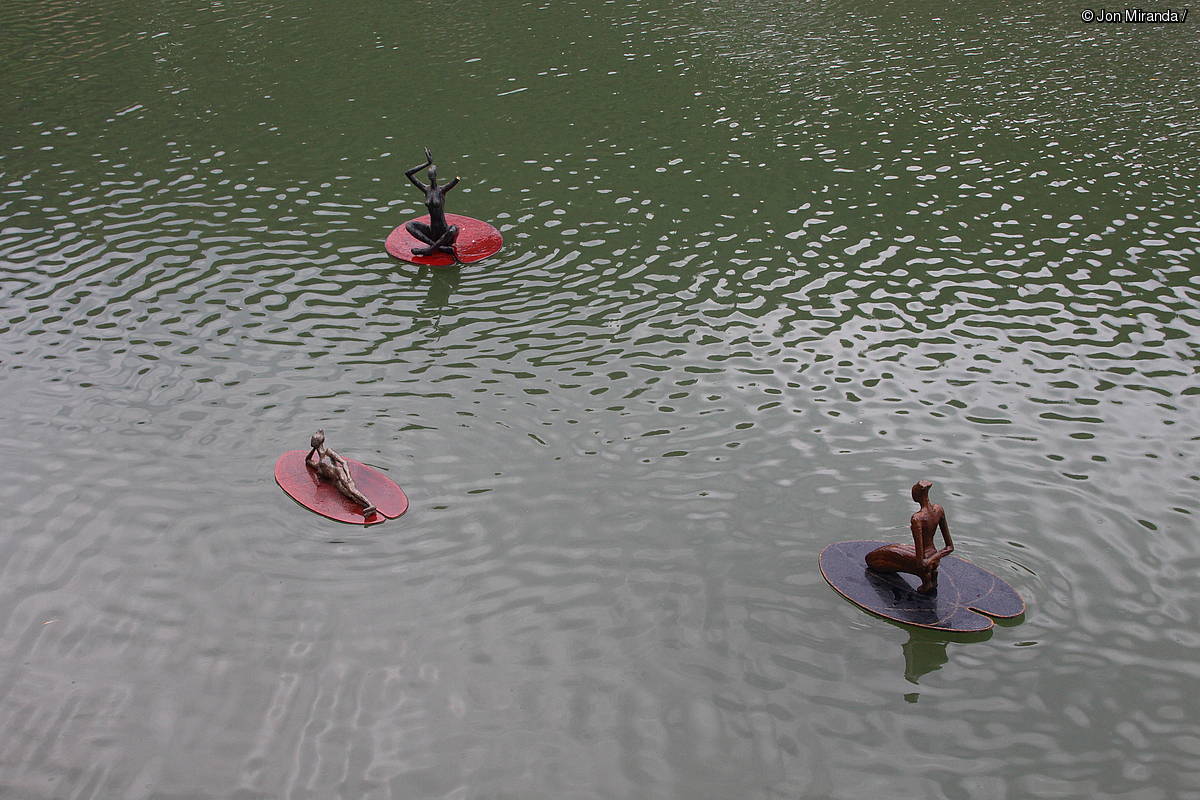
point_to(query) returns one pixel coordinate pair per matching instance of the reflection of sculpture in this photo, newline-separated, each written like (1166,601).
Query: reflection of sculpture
(333,468)
(925,652)
(921,557)
(437,234)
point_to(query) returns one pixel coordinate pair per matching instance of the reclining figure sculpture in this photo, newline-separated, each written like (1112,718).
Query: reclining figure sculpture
(333,468)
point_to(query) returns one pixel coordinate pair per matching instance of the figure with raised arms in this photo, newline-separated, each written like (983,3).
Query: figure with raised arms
(439,236)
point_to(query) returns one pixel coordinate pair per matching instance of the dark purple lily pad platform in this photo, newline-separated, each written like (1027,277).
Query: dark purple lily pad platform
(965,592)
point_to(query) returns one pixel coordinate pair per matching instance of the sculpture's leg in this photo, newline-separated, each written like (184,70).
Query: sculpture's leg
(928,581)
(894,558)
(351,491)
(903,558)
(447,240)
(444,243)
(335,469)
(421,232)
(929,584)
(368,508)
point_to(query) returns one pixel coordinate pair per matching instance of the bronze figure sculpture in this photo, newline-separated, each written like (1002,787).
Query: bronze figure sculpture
(874,576)
(333,468)
(439,236)
(920,558)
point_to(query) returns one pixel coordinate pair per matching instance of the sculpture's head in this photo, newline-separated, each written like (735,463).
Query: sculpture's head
(317,439)
(433,174)
(920,491)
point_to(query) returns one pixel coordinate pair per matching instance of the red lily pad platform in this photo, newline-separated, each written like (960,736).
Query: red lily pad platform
(965,592)
(302,485)
(476,240)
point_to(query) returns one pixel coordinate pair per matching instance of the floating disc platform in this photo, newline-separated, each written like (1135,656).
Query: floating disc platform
(304,486)
(965,592)
(476,241)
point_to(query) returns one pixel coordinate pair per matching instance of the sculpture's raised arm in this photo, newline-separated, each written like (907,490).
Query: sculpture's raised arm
(316,442)
(410,174)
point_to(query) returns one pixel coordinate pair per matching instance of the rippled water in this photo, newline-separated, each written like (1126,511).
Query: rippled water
(765,266)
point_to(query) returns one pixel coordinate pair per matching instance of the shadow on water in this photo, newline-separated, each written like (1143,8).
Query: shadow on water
(443,282)
(925,651)
(440,285)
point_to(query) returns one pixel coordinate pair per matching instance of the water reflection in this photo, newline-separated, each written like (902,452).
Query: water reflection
(443,283)
(925,650)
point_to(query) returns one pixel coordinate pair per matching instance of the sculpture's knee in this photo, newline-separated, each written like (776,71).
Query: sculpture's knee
(881,560)
(892,558)
(419,231)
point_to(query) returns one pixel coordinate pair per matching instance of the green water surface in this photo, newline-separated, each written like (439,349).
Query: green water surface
(766,264)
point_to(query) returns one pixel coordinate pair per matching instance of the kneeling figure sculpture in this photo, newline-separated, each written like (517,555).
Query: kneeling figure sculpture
(920,558)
